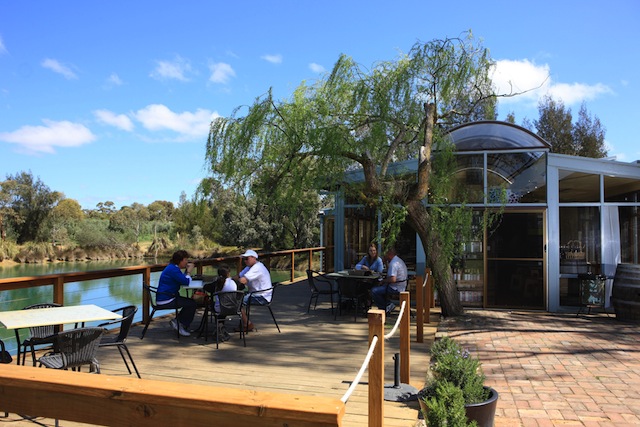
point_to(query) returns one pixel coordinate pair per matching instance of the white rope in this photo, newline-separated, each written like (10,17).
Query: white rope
(356,380)
(395,327)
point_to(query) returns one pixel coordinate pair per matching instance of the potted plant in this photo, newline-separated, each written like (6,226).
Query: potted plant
(455,383)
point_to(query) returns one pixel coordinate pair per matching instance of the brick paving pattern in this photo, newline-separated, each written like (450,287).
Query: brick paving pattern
(555,369)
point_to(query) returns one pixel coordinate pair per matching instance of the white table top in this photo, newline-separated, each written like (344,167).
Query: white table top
(195,284)
(17,319)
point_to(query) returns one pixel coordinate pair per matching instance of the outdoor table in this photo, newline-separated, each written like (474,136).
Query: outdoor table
(19,319)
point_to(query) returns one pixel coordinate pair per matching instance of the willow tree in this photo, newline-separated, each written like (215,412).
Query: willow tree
(367,119)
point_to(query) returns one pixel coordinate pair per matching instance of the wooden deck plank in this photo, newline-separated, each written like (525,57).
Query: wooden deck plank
(314,355)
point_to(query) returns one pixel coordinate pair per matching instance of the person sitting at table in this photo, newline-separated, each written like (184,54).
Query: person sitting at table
(371,261)
(171,279)
(394,283)
(257,278)
(228,285)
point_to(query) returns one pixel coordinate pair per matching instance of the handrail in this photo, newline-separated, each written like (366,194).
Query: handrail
(114,401)
(58,280)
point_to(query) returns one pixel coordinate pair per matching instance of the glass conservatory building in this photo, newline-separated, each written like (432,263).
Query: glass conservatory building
(564,216)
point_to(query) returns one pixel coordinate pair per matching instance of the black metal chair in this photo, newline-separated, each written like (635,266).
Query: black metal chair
(73,349)
(152,294)
(268,305)
(230,303)
(42,337)
(320,285)
(353,292)
(120,340)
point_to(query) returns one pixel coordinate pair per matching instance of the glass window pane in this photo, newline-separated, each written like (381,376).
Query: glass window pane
(469,176)
(629,234)
(522,175)
(621,189)
(578,187)
(580,240)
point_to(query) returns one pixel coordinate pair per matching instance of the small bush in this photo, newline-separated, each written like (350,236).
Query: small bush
(446,407)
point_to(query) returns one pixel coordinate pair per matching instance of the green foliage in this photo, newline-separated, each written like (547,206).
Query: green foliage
(358,119)
(8,249)
(584,138)
(25,204)
(452,364)
(446,407)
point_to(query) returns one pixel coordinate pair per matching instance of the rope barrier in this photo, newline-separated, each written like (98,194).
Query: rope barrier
(358,377)
(397,324)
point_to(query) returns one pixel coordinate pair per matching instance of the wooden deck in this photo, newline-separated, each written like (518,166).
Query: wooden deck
(314,355)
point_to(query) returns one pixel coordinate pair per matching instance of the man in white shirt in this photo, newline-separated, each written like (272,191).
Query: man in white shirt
(396,281)
(257,278)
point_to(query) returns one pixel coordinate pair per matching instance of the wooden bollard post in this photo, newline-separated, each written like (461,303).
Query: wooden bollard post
(376,369)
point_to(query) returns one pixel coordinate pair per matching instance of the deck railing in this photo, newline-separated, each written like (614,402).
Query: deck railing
(132,399)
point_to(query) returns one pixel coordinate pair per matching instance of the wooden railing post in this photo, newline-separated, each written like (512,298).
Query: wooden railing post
(376,369)
(58,290)
(146,280)
(419,308)
(405,338)
(293,265)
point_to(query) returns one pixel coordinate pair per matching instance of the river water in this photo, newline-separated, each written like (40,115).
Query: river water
(109,293)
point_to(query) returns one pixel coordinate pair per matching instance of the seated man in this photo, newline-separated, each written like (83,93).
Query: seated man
(396,281)
(257,278)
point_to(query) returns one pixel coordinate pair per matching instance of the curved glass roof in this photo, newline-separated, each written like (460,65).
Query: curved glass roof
(495,135)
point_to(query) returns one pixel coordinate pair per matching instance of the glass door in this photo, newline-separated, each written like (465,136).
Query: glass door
(515,261)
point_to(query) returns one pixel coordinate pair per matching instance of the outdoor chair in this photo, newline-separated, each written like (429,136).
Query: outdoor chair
(230,305)
(42,337)
(120,341)
(268,305)
(394,297)
(73,349)
(353,293)
(152,295)
(320,285)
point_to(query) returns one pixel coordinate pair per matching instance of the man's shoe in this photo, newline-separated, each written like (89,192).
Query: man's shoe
(390,307)
(183,332)
(174,324)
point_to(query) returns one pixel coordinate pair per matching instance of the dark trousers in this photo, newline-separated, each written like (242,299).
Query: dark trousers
(188,306)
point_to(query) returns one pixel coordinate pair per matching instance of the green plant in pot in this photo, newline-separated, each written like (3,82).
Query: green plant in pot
(453,368)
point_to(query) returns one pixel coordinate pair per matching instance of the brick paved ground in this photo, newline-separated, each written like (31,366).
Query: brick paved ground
(555,369)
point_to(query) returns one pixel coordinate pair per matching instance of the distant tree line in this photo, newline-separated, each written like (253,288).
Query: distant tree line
(214,217)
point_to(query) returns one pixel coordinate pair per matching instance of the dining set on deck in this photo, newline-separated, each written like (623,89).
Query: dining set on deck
(71,348)
(351,288)
(230,305)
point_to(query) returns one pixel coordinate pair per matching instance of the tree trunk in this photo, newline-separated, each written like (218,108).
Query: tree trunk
(418,217)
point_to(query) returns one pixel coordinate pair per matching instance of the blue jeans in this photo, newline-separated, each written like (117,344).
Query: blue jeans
(379,296)
(255,299)
(188,309)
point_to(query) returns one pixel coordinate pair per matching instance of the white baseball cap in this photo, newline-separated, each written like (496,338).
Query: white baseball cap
(250,253)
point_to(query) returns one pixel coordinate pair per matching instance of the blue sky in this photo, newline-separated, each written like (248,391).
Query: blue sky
(112,100)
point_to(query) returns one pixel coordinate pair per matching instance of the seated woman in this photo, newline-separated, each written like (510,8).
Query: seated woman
(171,279)
(371,261)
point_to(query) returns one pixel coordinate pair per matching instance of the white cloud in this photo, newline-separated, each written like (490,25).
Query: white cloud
(274,59)
(3,48)
(158,117)
(221,72)
(118,120)
(44,139)
(176,69)
(57,67)
(513,76)
(316,68)
(114,80)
